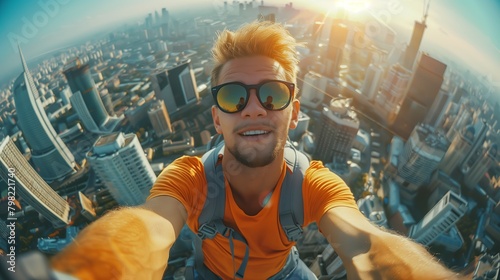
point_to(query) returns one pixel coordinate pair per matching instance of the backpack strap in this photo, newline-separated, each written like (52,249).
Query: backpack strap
(291,205)
(212,216)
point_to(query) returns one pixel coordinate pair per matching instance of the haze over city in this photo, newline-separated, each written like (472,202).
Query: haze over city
(399,98)
(464,31)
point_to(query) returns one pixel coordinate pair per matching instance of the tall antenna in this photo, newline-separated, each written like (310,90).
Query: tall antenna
(426,10)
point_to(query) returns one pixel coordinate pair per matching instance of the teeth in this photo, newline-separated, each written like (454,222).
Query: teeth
(254,132)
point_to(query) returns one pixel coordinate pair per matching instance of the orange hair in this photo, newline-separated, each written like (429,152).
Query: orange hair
(256,38)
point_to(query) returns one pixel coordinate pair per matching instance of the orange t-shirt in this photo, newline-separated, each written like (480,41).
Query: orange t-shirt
(184,179)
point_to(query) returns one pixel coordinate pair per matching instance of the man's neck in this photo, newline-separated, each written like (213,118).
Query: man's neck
(250,185)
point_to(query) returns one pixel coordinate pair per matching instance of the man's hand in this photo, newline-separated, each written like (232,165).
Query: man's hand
(130,243)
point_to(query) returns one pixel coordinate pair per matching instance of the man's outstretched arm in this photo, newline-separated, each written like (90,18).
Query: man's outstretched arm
(369,252)
(130,243)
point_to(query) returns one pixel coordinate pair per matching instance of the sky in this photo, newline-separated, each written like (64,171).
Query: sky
(462,30)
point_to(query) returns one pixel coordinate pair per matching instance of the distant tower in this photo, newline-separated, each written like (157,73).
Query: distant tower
(159,118)
(462,118)
(372,81)
(416,39)
(392,91)
(30,186)
(421,155)
(317,29)
(340,126)
(475,152)
(458,150)
(313,90)
(439,219)
(414,46)
(79,79)
(120,163)
(422,92)
(107,101)
(176,87)
(481,166)
(51,157)
(437,111)
(335,49)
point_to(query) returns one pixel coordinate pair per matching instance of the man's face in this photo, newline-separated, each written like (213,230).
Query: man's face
(254,136)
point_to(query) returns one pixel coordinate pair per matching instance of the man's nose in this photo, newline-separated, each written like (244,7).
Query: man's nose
(253,108)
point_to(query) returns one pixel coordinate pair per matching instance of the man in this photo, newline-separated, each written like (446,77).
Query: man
(257,60)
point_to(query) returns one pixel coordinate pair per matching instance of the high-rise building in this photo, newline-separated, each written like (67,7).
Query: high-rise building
(159,118)
(51,157)
(460,120)
(439,219)
(176,87)
(120,163)
(313,90)
(107,101)
(422,92)
(481,166)
(372,81)
(440,184)
(414,46)
(317,29)
(438,109)
(420,157)
(335,49)
(458,150)
(392,91)
(83,112)
(476,151)
(30,186)
(79,79)
(334,139)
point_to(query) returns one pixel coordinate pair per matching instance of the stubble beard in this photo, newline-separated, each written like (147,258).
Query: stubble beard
(255,156)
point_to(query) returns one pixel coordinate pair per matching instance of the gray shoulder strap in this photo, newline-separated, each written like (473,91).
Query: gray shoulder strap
(216,196)
(291,205)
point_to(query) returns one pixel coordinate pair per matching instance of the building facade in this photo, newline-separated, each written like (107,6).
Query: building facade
(120,163)
(51,157)
(336,136)
(30,186)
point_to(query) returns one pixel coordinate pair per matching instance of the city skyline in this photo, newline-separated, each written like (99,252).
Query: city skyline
(43,26)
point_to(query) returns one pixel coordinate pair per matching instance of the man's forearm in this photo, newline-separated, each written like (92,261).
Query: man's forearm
(130,243)
(395,257)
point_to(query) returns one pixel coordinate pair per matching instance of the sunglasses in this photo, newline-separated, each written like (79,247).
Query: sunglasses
(274,95)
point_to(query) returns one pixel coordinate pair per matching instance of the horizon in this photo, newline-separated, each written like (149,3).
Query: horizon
(49,25)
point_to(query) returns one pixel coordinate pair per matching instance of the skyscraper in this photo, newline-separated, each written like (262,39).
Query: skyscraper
(414,46)
(159,118)
(51,157)
(439,219)
(422,92)
(79,79)
(30,186)
(339,128)
(481,166)
(313,90)
(437,111)
(420,157)
(176,86)
(335,49)
(120,163)
(458,150)
(372,81)
(392,91)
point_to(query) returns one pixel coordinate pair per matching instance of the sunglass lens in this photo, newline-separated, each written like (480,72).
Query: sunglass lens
(232,98)
(274,95)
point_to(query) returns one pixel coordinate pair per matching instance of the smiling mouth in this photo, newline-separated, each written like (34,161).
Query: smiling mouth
(254,133)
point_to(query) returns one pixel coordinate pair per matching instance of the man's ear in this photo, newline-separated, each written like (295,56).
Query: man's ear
(215,117)
(295,113)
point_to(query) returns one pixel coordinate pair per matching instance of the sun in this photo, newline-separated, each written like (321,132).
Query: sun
(354,6)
